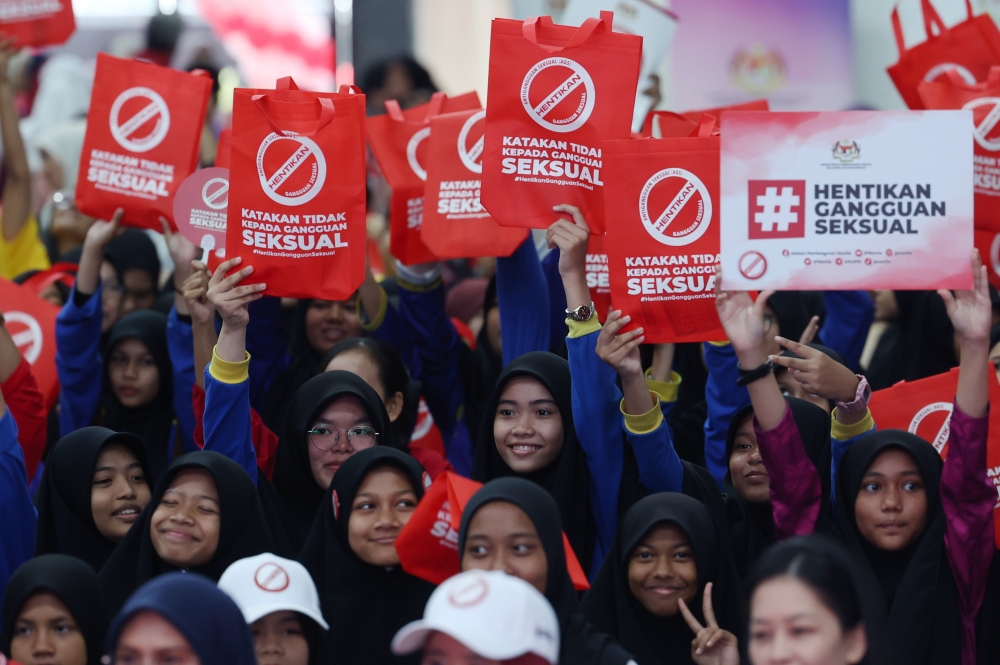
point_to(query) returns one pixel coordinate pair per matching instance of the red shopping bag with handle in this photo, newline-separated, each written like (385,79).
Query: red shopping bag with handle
(37,22)
(663,195)
(555,93)
(988,244)
(693,117)
(428,544)
(969,48)
(924,408)
(31,322)
(598,277)
(983,99)
(455,223)
(143,131)
(399,143)
(297,191)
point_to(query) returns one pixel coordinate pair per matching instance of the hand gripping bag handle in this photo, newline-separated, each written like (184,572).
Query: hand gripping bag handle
(932,22)
(326,115)
(530,31)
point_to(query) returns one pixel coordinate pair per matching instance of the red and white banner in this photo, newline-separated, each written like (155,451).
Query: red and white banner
(270,39)
(31,321)
(37,22)
(847,200)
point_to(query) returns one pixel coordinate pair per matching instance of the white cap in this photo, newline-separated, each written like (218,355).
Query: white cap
(266,583)
(495,615)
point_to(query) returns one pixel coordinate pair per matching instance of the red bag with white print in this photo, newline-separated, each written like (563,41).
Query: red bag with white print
(399,142)
(555,93)
(598,277)
(297,190)
(143,132)
(983,99)
(37,22)
(664,243)
(455,223)
(969,48)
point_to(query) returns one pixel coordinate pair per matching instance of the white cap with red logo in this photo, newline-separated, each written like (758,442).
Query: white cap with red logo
(266,583)
(495,615)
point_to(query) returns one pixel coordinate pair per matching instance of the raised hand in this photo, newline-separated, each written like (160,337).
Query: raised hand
(182,251)
(711,645)
(231,300)
(970,311)
(98,236)
(571,238)
(818,373)
(101,233)
(621,352)
(809,334)
(741,317)
(195,292)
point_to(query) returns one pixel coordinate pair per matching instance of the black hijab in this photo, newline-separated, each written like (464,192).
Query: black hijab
(792,312)
(153,422)
(207,618)
(243,529)
(917,586)
(74,583)
(919,344)
(611,606)
(752,524)
(65,518)
(581,643)
(133,250)
(365,605)
(302,362)
(480,368)
(297,489)
(567,479)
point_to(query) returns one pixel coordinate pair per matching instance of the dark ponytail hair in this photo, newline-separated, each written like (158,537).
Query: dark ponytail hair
(392,373)
(824,565)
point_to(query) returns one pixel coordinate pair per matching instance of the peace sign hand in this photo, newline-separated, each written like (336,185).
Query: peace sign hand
(711,645)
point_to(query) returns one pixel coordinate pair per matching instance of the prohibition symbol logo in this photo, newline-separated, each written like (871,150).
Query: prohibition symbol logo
(472,157)
(689,211)
(125,131)
(563,98)
(215,193)
(942,435)
(753,265)
(271,577)
(29,340)
(279,183)
(985,124)
(411,152)
(470,594)
(944,67)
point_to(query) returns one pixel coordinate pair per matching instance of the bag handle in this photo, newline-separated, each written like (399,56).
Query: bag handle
(433,108)
(705,127)
(392,108)
(326,115)
(350,90)
(932,22)
(285,83)
(529,29)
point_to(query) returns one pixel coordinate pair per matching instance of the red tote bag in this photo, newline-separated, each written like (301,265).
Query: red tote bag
(555,93)
(455,223)
(37,23)
(969,48)
(598,277)
(297,191)
(143,132)
(663,195)
(399,142)
(983,99)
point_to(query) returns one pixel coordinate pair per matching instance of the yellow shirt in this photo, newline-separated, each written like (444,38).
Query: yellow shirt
(23,253)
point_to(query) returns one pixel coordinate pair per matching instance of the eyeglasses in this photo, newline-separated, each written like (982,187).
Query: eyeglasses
(358,438)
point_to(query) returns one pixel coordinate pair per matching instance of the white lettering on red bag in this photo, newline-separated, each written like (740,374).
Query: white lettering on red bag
(28,340)
(942,435)
(472,157)
(141,113)
(691,208)
(283,185)
(987,124)
(29,9)
(411,152)
(565,86)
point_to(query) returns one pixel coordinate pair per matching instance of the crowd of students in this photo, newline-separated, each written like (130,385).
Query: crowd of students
(226,474)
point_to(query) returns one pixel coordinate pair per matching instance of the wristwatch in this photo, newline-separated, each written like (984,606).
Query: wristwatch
(861,397)
(581,313)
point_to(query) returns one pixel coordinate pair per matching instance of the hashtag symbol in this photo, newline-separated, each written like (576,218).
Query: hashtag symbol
(777,209)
